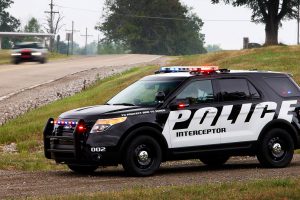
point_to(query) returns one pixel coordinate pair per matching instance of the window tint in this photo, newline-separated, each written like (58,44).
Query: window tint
(283,86)
(198,92)
(234,89)
(254,93)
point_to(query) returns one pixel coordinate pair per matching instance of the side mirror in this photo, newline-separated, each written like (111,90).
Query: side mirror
(179,104)
(160,97)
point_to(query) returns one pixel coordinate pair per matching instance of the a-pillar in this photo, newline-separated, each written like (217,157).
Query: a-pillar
(0,42)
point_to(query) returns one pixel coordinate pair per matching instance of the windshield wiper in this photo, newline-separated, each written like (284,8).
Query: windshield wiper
(123,104)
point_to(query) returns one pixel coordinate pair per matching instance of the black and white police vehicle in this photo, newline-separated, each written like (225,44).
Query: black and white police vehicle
(182,113)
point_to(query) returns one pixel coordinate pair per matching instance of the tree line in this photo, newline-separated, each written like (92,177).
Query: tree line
(161,26)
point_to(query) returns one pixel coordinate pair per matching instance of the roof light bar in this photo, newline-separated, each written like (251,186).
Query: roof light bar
(191,69)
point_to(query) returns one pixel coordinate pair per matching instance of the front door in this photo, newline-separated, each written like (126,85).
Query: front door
(191,124)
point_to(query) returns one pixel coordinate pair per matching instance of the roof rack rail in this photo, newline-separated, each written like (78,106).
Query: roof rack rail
(224,70)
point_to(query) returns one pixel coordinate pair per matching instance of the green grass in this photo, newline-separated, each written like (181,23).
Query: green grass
(261,190)
(5,56)
(275,58)
(27,129)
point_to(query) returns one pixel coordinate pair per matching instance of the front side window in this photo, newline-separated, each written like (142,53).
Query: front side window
(197,92)
(143,93)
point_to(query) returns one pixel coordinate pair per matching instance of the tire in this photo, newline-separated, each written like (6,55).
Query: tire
(276,149)
(16,62)
(215,161)
(43,61)
(81,169)
(142,156)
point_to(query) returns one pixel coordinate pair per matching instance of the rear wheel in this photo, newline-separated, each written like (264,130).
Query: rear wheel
(276,149)
(214,161)
(15,61)
(142,156)
(82,169)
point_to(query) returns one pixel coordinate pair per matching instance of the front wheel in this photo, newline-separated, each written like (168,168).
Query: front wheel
(82,169)
(43,61)
(214,161)
(276,149)
(142,156)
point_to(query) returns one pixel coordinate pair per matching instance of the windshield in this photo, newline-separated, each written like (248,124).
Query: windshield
(28,46)
(142,93)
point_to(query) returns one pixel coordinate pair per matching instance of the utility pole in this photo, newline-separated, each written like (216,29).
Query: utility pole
(98,45)
(298,22)
(86,38)
(51,12)
(72,37)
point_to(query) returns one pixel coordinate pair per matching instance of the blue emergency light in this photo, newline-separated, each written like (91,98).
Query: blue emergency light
(191,69)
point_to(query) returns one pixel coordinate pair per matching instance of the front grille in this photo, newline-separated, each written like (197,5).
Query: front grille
(63,141)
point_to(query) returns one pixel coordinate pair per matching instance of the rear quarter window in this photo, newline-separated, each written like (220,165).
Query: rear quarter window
(283,86)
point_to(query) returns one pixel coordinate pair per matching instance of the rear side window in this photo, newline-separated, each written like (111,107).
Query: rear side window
(283,86)
(237,90)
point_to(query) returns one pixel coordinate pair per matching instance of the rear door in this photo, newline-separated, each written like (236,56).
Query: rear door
(242,113)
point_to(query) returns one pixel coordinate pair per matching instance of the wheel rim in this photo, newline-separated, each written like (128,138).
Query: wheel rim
(277,148)
(143,156)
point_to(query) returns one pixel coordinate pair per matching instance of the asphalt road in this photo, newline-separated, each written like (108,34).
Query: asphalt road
(15,78)
(41,184)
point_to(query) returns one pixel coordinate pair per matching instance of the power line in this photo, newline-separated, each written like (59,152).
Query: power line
(162,18)
(82,9)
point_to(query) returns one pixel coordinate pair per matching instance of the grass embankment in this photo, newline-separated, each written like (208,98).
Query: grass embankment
(6,59)
(26,130)
(283,58)
(260,190)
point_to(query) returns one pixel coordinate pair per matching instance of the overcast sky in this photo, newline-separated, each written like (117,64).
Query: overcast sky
(229,34)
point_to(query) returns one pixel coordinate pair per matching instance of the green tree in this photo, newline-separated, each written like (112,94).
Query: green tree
(32,26)
(269,12)
(7,22)
(213,48)
(153,26)
(105,47)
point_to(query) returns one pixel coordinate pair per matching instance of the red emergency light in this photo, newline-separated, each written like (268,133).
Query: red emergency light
(204,70)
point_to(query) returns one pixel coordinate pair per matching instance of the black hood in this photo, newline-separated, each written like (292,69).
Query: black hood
(94,112)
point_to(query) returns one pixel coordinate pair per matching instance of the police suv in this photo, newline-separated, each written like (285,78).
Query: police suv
(205,113)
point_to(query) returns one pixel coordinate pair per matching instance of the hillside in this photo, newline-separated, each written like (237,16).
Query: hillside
(283,58)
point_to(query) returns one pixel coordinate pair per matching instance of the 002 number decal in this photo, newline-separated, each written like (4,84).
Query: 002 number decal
(98,149)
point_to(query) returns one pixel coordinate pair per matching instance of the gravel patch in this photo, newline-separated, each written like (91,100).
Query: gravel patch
(10,148)
(38,96)
(17,184)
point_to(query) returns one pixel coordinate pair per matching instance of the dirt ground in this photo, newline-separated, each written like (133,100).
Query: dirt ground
(15,184)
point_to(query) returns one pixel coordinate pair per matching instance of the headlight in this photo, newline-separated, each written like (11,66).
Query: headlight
(103,124)
(15,54)
(36,54)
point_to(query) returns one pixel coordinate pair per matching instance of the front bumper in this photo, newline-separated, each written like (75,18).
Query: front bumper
(73,149)
(28,58)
